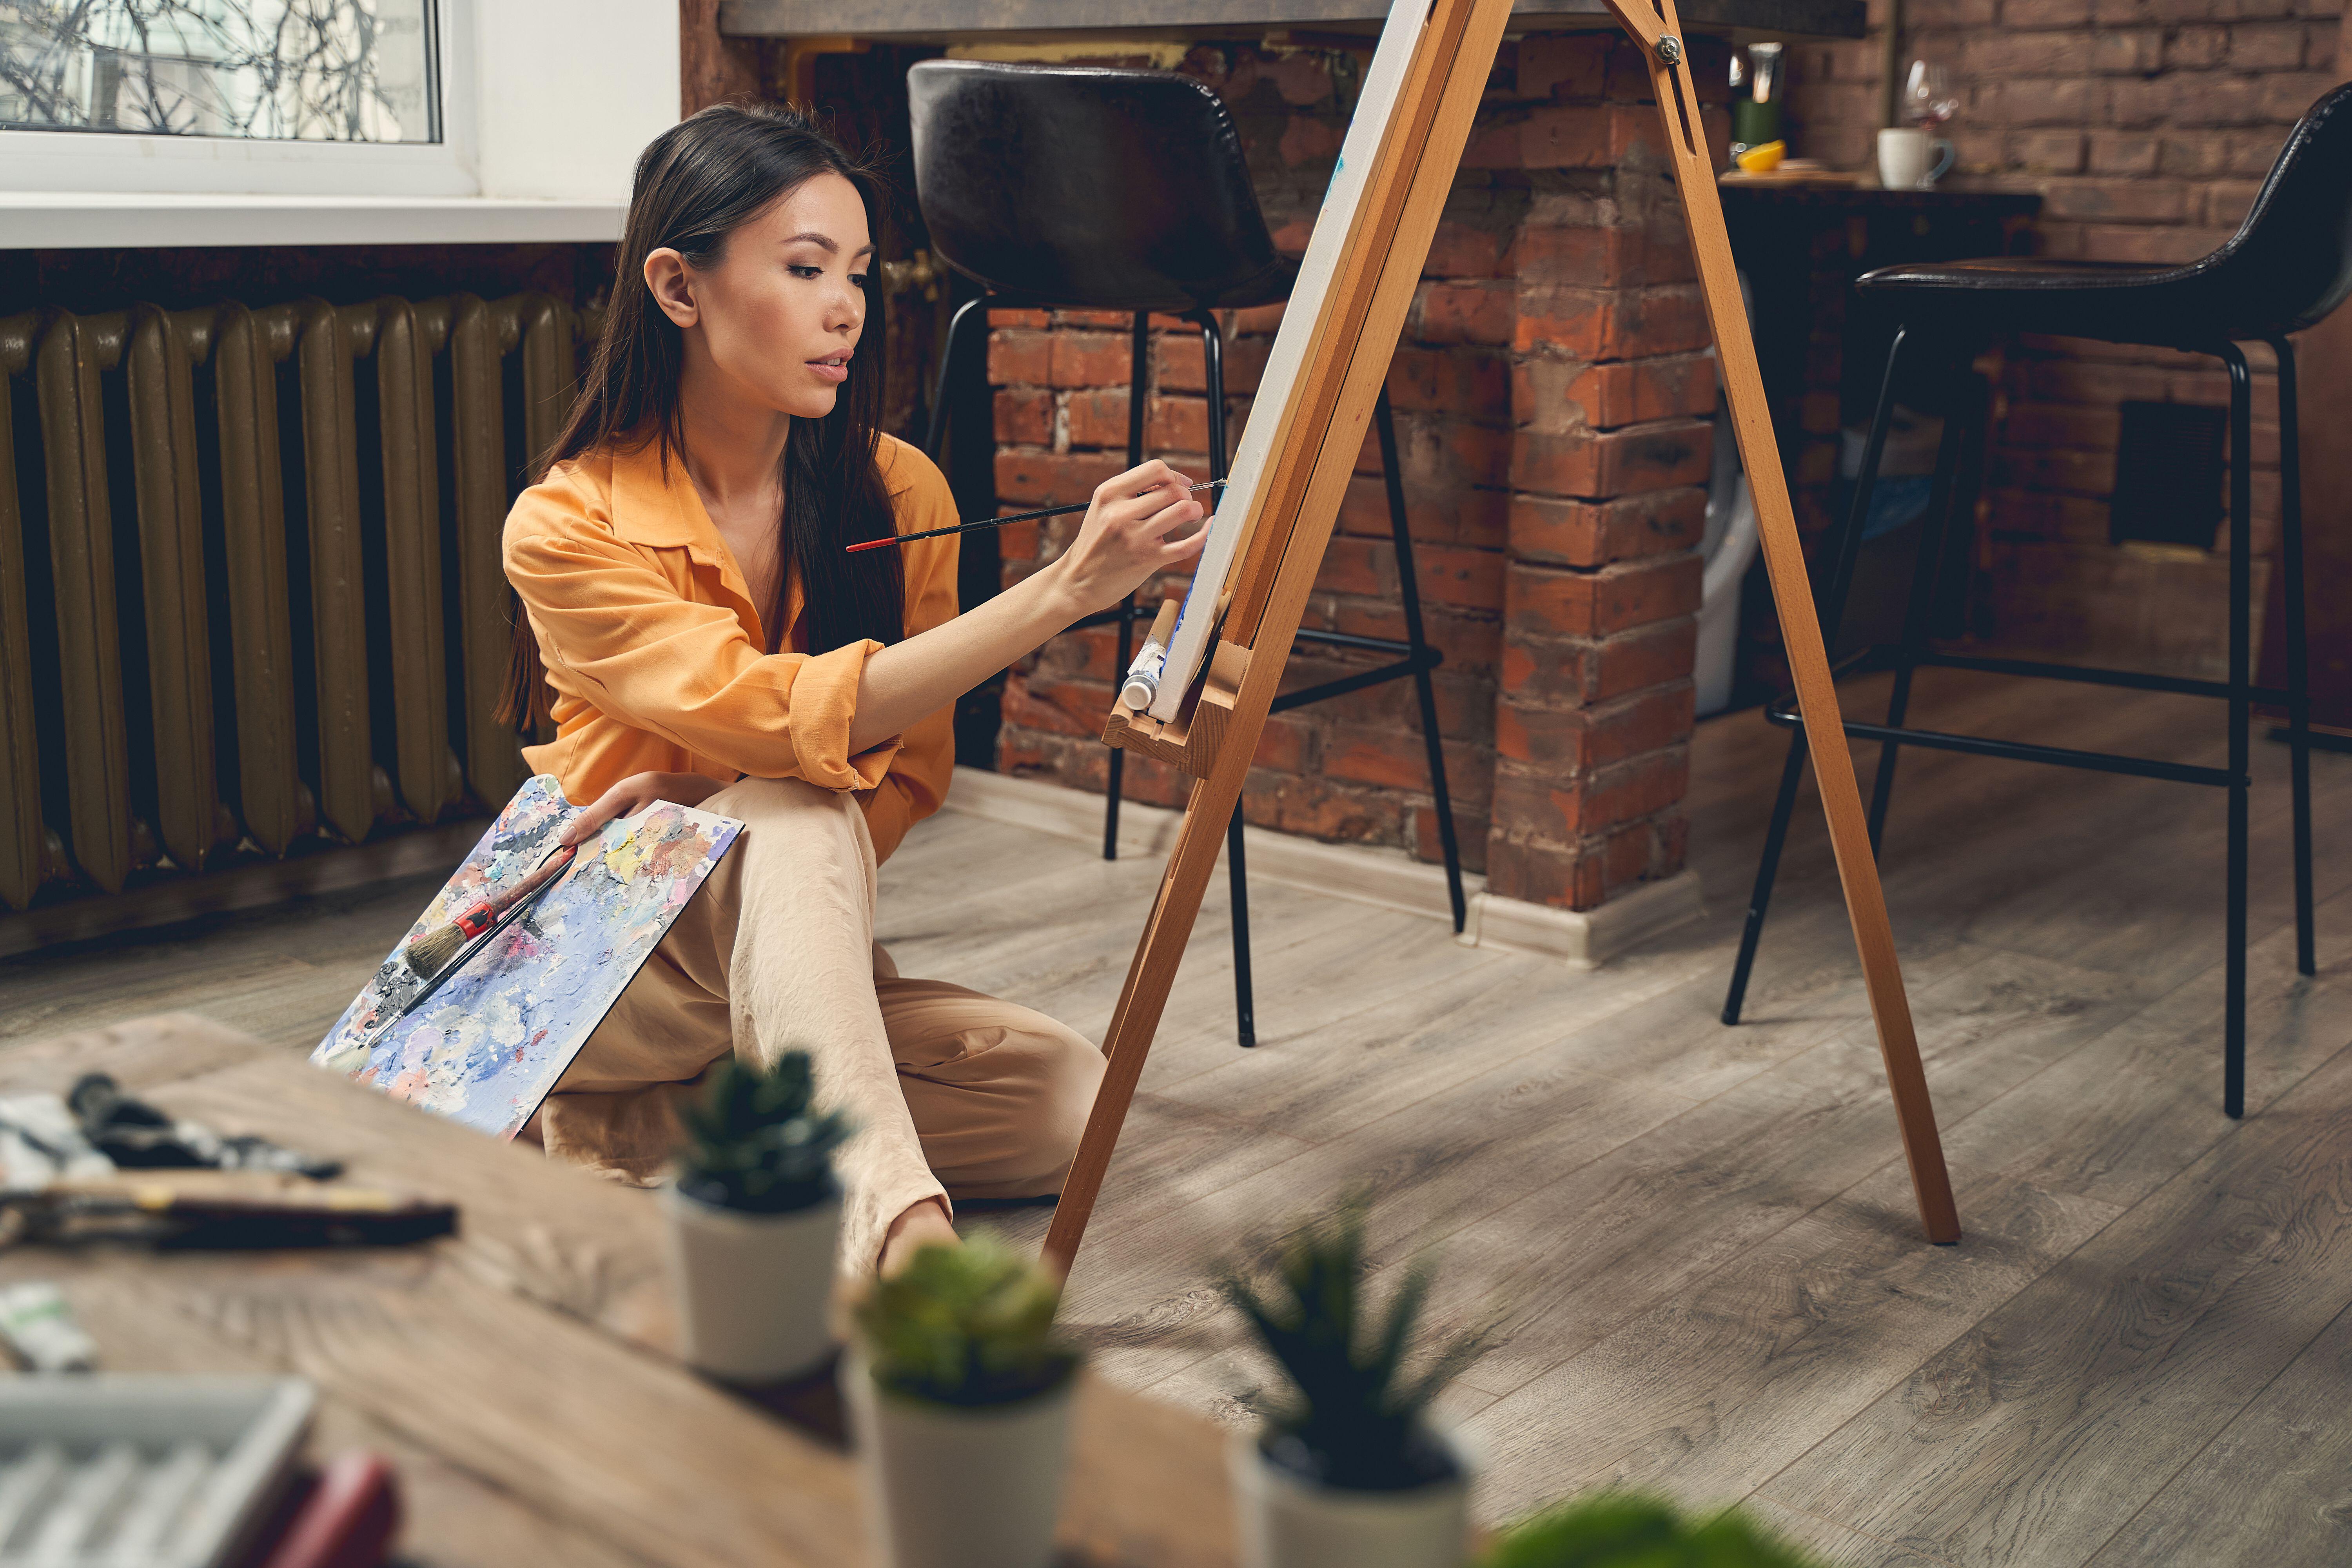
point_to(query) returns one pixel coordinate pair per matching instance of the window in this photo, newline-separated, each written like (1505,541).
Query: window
(205,99)
(271,71)
(161,122)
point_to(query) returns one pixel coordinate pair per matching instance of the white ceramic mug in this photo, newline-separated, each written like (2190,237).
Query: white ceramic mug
(1903,158)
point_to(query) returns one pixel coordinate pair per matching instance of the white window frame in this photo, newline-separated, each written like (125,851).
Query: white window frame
(110,161)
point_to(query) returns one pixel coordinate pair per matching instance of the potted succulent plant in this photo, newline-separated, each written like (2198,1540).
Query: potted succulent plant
(1348,1470)
(1615,1531)
(959,1390)
(754,1218)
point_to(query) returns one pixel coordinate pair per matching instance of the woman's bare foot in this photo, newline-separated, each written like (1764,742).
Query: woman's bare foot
(924,1225)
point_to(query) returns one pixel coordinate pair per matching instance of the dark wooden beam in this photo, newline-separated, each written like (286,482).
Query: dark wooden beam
(939,20)
(712,66)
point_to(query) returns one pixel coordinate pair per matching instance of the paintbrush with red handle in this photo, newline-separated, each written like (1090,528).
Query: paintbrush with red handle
(428,953)
(1001,521)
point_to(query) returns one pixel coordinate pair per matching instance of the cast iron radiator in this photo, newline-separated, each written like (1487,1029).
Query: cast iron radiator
(250,594)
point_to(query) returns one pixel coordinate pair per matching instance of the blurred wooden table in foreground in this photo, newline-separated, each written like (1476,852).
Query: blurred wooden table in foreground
(521,1373)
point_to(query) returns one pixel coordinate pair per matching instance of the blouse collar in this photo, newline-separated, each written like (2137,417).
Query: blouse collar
(654,503)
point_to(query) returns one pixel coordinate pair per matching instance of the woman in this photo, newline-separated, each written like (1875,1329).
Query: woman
(697,633)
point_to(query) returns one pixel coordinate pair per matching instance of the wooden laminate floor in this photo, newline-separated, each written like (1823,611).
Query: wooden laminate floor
(1694,1247)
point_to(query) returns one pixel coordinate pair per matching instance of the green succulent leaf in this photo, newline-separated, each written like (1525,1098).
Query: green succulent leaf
(1354,1412)
(966,1325)
(755,1140)
(1615,1530)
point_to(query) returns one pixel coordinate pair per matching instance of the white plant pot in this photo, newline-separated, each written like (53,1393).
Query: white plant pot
(1287,1521)
(957,1487)
(753,1290)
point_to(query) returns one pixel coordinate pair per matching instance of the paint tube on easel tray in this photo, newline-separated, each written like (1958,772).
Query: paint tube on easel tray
(1142,682)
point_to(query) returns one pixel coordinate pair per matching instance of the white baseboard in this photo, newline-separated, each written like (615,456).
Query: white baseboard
(1388,878)
(1366,874)
(1587,939)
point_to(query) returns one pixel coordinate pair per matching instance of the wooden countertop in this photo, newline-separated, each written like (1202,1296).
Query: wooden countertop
(521,1373)
(1760,193)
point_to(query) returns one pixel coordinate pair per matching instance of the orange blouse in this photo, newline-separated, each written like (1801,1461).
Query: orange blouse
(655,652)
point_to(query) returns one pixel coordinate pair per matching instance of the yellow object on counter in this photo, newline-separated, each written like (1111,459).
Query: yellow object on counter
(1763,160)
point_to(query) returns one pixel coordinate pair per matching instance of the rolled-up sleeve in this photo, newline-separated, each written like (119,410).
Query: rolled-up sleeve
(631,645)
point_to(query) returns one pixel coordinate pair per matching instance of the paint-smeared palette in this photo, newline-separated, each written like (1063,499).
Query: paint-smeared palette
(486,1047)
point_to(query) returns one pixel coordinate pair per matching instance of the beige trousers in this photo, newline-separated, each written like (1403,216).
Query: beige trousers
(952,1093)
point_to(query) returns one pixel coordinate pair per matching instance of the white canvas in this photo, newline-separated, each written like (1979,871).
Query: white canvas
(1189,645)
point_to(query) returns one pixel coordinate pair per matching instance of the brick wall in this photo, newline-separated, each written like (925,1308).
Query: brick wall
(1550,392)
(2147,125)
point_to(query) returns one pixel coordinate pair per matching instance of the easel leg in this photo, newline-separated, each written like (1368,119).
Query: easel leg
(1137,1017)
(1464,65)
(1657,33)
(1406,189)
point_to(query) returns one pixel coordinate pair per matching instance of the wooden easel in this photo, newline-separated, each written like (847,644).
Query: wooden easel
(1322,429)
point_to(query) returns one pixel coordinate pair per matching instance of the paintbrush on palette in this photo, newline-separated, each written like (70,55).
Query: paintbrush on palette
(1001,521)
(429,954)
(446,948)
(509,908)
(487,1046)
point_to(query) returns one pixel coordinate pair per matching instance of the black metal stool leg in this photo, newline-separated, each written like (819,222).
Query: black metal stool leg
(970,316)
(1245,1000)
(2242,433)
(1865,482)
(1833,610)
(1212,366)
(1136,397)
(1942,504)
(1409,588)
(2298,673)
(1768,867)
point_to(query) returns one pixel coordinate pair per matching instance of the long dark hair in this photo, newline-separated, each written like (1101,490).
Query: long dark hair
(696,184)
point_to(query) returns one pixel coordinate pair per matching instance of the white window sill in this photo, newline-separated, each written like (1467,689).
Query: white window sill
(61,220)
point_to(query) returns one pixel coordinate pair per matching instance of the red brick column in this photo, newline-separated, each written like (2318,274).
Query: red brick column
(1612,387)
(1551,391)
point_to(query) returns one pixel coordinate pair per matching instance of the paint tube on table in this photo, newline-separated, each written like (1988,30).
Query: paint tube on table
(1142,682)
(37,1324)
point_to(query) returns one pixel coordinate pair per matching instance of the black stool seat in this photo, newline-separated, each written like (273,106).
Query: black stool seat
(1090,187)
(2289,265)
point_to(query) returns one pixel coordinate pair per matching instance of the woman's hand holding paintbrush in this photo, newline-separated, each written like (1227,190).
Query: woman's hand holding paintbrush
(897,539)
(1139,524)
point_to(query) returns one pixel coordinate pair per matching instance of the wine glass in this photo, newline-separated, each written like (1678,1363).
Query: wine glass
(1928,99)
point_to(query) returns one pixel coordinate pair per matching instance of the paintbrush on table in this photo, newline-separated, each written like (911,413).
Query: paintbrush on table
(197,1214)
(1001,521)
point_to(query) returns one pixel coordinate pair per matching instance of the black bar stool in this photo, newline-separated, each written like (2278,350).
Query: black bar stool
(1083,187)
(2288,265)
